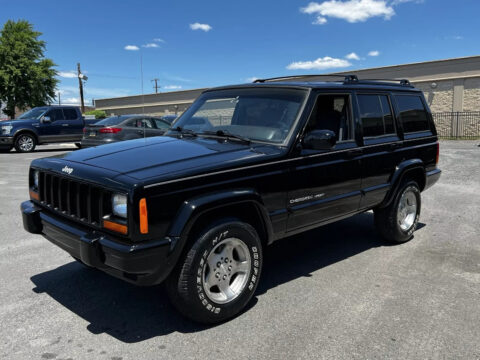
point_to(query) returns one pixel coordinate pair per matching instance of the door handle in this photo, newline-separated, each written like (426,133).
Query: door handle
(394,146)
(64,124)
(353,153)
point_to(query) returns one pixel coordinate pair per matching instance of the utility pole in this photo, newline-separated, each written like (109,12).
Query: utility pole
(80,84)
(156,87)
(59,100)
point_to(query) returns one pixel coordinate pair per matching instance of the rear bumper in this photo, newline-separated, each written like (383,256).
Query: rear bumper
(143,264)
(93,142)
(432,177)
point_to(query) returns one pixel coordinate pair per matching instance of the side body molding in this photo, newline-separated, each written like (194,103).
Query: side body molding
(404,167)
(191,209)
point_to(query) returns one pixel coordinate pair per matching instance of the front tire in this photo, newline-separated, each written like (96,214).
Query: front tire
(397,222)
(25,143)
(219,274)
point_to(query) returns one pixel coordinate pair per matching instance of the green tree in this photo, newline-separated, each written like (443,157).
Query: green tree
(99,114)
(27,78)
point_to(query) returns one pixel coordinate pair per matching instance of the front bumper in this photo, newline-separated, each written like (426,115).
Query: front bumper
(145,263)
(6,141)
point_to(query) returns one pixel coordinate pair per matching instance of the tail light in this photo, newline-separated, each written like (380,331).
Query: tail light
(84,130)
(438,154)
(109,130)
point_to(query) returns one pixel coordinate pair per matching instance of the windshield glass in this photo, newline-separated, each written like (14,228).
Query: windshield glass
(114,120)
(34,113)
(264,114)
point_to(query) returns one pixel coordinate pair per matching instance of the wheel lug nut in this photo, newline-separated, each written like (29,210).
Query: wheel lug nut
(230,268)
(218,264)
(226,260)
(224,277)
(217,274)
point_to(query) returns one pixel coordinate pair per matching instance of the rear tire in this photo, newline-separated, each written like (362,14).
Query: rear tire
(78,145)
(397,222)
(25,143)
(219,274)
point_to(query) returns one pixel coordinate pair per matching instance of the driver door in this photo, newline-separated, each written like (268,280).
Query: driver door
(325,184)
(52,131)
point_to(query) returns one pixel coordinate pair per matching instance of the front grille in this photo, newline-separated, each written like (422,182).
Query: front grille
(78,200)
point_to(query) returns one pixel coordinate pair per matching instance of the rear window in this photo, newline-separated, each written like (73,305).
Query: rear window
(376,114)
(412,113)
(114,120)
(70,114)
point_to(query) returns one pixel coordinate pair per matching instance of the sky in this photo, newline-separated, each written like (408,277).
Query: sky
(195,44)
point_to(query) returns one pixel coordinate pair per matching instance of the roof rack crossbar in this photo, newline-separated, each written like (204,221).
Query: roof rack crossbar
(402,82)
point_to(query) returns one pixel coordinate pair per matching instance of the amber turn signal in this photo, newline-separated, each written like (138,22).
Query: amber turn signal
(143,216)
(34,195)
(110,225)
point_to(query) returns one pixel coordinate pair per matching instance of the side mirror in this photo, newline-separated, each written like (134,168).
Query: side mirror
(46,119)
(320,140)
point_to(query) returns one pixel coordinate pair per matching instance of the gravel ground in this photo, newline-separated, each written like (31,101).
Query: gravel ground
(336,292)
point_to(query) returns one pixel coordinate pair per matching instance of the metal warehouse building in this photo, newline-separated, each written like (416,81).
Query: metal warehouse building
(451,87)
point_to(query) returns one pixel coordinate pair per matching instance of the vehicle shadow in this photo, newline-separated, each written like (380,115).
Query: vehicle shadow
(133,314)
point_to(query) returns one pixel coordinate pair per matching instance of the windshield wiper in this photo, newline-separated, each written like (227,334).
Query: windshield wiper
(226,134)
(183,131)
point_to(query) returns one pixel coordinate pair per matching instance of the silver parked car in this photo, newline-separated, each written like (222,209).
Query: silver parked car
(123,127)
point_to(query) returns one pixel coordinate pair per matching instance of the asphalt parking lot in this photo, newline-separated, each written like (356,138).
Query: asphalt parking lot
(337,292)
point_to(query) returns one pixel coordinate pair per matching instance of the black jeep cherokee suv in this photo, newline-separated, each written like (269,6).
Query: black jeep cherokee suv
(243,166)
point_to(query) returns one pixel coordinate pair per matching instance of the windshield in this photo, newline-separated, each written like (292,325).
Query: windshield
(266,115)
(34,113)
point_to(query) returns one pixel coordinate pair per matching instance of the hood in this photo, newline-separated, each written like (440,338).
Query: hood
(18,122)
(164,158)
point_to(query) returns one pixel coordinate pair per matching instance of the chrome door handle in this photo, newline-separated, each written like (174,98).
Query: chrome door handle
(64,124)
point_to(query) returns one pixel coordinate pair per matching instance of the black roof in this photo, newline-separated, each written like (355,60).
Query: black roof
(348,82)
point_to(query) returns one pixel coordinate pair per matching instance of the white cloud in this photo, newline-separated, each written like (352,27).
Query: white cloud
(198,26)
(159,40)
(320,20)
(251,79)
(132,48)
(150,45)
(172,87)
(352,10)
(374,53)
(324,63)
(455,37)
(68,74)
(397,2)
(352,56)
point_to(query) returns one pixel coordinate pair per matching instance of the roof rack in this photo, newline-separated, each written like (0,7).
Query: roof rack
(347,79)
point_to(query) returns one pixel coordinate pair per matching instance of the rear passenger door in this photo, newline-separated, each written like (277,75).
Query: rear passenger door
(74,124)
(382,146)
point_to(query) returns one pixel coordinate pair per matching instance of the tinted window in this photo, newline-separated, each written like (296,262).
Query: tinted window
(331,112)
(412,113)
(376,115)
(70,114)
(55,114)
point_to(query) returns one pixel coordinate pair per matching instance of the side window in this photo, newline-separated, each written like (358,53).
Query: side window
(376,115)
(161,124)
(70,114)
(332,112)
(55,114)
(412,113)
(131,123)
(144,123)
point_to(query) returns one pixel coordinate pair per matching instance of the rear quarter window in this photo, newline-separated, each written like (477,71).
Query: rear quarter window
(413,114)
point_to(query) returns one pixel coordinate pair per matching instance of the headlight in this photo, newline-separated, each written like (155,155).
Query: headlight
(35,179)
(6,129)
(119,205)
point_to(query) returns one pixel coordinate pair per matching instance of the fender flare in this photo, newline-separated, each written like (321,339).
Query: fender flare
(192,209)
(23,130)
(399,174)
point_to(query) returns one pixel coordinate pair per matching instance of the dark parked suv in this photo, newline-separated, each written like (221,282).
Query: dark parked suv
(197,208)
